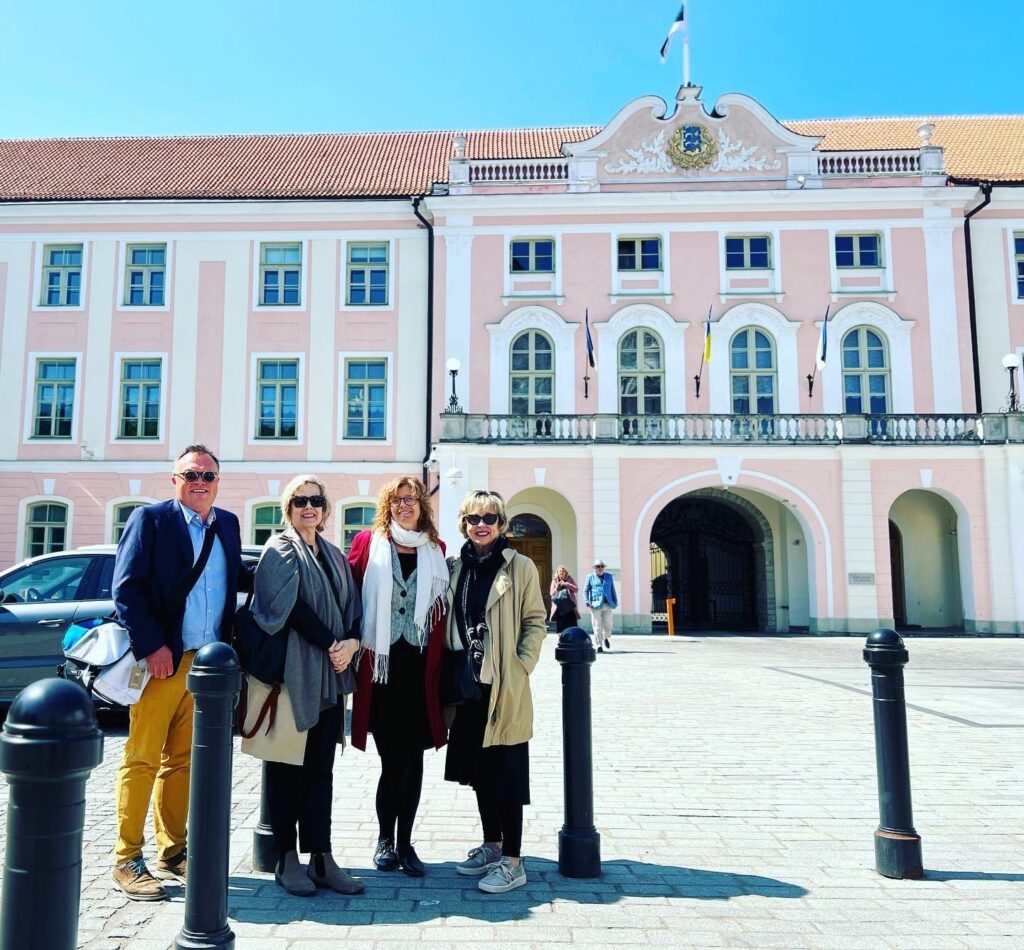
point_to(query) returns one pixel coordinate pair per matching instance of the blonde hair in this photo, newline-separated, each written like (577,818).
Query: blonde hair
(480,503)
(382,520)
(562,569)
(291,490)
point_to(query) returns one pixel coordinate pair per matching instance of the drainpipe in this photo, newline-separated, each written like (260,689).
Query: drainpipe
(986,190)
(430,337)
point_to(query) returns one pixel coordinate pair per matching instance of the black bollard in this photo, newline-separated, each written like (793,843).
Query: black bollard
(579,844)
(214,681)
(897,844)
(50,744)
(264,851)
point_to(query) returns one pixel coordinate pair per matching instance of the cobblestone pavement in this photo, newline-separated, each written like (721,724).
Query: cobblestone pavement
(736,800)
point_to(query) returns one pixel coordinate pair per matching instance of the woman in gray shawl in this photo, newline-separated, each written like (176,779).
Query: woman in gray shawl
(303,589)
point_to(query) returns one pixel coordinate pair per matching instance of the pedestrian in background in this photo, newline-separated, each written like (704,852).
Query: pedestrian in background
(400,568)
(303,589)
(599,595)
(177,570)
(564,611)
(494,596)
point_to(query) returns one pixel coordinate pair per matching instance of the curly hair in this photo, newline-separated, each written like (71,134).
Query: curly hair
(382,520)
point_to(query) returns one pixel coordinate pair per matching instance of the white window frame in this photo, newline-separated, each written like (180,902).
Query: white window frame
(250,526)
(554,276)
(300,399)
(392,388)
(37,277)
(22,529)
(343,266)
(663,276)
(1015,296)
(773,273)
(115,401)
(257,284)
(339,515)
(123,266)
(114,503)
(837,273)
(30,399)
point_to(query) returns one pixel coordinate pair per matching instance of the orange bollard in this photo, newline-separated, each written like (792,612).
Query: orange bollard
(670,610)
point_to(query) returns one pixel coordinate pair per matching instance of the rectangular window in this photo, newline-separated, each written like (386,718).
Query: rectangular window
(748,253)
(858,250)
(639,254)
(365,399)
(62,275)
(355,518)
(280,275)
(277,399)
(144,275)
(140,399)
(532,257)
(54,399)
(367,279)
(1018,260)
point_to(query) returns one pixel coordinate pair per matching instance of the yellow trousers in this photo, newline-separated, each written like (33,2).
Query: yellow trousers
(156,766)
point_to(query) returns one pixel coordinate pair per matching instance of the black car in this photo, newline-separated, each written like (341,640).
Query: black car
(41,597)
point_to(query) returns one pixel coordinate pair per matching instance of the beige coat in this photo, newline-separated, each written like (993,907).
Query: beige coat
(515,619)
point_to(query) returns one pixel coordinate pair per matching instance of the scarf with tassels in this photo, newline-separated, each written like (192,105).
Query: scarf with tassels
(378,584)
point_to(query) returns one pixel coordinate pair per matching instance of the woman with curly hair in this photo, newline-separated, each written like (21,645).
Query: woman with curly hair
(400,568)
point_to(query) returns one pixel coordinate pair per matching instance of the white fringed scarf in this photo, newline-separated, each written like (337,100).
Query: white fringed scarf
(378,585)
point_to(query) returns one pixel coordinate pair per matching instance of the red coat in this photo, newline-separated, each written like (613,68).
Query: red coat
(358,557)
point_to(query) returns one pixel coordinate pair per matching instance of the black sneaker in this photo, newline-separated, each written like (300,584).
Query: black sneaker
(384,858)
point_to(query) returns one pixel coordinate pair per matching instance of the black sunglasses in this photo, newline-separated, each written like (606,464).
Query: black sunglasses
(191,476)
(317,501)
(489,518)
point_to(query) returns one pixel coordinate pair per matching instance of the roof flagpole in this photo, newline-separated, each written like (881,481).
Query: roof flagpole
(686,46)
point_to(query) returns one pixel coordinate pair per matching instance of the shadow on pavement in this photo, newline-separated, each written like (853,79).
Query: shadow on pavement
(396,899)
(970,876)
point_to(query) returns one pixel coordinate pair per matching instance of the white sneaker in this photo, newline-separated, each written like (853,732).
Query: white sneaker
(480,860)
(503,877)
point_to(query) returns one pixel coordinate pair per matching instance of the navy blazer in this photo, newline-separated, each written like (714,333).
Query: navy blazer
(154,558)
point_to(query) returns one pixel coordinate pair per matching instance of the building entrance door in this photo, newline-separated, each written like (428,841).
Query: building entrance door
(531,536)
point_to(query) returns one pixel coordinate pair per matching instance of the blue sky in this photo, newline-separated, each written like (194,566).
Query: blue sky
(69,67)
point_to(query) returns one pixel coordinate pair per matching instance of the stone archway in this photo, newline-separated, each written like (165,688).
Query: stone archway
(719,555)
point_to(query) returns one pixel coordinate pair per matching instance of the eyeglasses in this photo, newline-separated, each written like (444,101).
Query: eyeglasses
(404,501)
(488,519)
(194,476)
(317,501)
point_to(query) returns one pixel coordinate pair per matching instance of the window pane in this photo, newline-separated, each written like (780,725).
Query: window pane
(542,361)
(520,256)
(740,385)
(627,255)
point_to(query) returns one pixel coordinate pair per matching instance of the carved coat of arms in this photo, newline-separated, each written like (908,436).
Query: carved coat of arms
(691,146)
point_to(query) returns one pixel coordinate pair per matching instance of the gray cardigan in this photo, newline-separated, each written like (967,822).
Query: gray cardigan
(288,570)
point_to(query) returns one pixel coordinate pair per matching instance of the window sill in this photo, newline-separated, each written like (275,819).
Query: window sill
(506,299)
(889,295)
(620,295)
(726,295)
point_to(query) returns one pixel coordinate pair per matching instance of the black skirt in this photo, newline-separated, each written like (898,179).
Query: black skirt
(501,772)
(398,708)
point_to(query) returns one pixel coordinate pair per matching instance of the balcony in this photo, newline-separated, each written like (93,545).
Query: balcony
(695,429)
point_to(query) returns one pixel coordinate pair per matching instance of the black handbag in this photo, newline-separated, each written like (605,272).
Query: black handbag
(460,669)
(261,654)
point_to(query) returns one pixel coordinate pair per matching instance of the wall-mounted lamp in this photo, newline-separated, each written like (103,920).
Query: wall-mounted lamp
(1011,363)
(801,180)
(454,476)
(453,366)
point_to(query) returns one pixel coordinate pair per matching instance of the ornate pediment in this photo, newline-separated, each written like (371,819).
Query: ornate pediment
(738,139)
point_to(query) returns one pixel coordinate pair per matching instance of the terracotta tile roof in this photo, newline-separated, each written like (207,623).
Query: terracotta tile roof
(393,164)
(372,164)
(988,147)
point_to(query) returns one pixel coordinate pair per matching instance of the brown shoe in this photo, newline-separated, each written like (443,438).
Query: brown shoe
(322,870)
(288,875)
(171,869)
(133,879)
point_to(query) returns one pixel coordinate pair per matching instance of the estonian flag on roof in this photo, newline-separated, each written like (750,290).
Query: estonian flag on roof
(677,24)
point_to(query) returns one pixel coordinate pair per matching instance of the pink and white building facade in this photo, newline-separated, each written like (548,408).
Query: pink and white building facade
(300,303)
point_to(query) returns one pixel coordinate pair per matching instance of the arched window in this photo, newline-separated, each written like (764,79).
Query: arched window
(121,513)
(355,518)
(752,373)
(865,372)
(641,374)
(532,374)
(266,520)
(46,528)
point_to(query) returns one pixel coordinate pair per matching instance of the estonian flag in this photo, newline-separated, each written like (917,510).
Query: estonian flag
(823,340)
(677,24)
(590,341)
(707,338)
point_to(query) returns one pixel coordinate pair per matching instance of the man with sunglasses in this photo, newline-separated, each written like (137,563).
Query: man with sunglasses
(177,572)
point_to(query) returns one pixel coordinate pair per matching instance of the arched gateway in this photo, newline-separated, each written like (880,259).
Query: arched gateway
(714,554)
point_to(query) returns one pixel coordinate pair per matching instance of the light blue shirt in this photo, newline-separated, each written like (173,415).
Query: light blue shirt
(204,607)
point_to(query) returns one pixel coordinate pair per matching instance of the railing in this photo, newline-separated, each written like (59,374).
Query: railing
(888,162)
(491,171)
(691,429)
